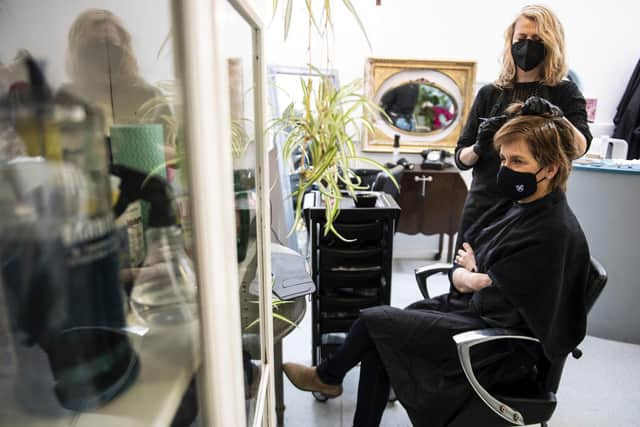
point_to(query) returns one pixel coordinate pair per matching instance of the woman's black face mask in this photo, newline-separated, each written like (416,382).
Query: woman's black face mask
(517,185)
(528,54)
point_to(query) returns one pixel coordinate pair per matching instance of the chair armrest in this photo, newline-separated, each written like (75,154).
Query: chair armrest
(464,342)
(423,273)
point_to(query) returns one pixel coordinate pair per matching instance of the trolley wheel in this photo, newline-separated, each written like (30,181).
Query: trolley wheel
(320,397)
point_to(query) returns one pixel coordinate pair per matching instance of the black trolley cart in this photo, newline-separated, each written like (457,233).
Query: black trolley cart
(349,276)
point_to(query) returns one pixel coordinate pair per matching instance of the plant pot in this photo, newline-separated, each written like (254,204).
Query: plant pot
(365,200)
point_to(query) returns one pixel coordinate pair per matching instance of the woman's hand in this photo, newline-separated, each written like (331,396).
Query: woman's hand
(465,281)
(537,106)
(466,257)
(486,132)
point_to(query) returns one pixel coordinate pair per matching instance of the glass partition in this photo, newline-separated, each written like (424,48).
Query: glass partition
(103,315)
(237,57)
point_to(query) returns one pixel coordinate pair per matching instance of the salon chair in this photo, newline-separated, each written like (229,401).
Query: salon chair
(385,184)
(529,401)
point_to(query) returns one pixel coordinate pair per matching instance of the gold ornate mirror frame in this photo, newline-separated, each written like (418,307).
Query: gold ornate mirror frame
(454,78)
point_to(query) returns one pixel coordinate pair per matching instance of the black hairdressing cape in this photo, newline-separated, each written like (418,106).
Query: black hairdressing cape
(538,259)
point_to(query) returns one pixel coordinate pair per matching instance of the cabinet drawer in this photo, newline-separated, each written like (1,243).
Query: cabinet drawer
(333,305)
(352,279)
(337,324)
(354,260)
(367,234)
(431,202)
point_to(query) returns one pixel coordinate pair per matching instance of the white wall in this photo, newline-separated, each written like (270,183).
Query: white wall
(602,39)
(42,27)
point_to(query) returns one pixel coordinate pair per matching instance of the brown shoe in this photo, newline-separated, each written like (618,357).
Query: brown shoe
(306,379)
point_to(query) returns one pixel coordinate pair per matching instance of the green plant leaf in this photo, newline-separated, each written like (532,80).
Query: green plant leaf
(379,166)
(165,42)
(287,18)
(284,319)
(353,11)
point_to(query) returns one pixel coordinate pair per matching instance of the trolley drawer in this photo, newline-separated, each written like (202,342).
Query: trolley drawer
(336,324)
(362,234)
(346,304)
(333,259)
(352,279)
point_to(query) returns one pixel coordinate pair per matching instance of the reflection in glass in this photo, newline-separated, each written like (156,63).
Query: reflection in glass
(104,70)
(418,107)
(71,350)
(239,59)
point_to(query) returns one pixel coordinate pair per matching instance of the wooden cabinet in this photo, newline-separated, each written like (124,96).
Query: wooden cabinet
(431,203)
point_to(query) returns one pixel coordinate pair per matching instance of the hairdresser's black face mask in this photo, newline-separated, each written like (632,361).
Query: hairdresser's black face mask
(528,54)
(517,185)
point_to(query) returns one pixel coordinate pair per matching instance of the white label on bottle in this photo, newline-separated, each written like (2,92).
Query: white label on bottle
(132,219)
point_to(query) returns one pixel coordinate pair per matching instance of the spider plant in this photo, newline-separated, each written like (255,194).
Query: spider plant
(275,303)
(325,16)
(159,108)
(325,132)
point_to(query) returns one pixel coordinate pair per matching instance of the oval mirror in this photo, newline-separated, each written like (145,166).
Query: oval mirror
(419,107)
(427,102)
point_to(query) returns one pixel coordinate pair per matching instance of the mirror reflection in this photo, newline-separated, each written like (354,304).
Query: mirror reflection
(426,101)
(105,316)
(418,107)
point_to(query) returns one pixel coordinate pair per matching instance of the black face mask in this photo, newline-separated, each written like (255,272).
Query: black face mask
(528,54)
(517,185)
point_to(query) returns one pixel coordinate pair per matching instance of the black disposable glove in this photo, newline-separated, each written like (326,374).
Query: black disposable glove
(486,131)
(536,106)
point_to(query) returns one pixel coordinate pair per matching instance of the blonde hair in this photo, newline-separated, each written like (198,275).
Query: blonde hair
(80,33)
(551,34)
(549,139)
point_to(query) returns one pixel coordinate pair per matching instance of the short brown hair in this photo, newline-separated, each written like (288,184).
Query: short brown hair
(551,34)
(550,140)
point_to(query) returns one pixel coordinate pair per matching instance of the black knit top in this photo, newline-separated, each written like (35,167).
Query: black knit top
(491,101)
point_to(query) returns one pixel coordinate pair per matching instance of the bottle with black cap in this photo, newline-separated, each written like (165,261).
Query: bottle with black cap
(395,152)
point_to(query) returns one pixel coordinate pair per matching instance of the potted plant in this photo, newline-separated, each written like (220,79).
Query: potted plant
(325,132)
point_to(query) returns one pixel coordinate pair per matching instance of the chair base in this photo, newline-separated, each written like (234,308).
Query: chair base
(477,413)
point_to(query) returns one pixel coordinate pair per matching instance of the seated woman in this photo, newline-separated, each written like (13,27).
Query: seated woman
(524,265)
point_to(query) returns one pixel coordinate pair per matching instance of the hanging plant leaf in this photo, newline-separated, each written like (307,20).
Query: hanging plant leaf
(287,18)
(353,11)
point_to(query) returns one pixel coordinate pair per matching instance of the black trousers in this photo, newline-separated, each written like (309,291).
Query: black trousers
(373,387)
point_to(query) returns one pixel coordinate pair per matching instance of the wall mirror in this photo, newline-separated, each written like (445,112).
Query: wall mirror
(426,102)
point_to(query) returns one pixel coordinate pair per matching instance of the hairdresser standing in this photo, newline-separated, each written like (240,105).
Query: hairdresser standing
(533,71)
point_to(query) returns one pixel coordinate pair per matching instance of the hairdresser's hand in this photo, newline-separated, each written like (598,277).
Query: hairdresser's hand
(536,106)
(486,131)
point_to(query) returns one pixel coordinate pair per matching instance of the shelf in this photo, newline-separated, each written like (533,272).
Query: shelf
(169,356)
(168,359)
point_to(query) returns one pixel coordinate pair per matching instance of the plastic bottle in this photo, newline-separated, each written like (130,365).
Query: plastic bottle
(165,292)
